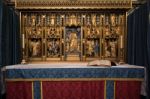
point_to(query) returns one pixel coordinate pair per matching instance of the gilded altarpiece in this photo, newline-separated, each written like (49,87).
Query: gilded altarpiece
(78,34)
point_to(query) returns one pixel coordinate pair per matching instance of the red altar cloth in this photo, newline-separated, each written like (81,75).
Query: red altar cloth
(19,90)
(127,89)
(73,90)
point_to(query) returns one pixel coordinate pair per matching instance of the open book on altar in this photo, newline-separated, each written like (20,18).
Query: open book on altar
(106,63)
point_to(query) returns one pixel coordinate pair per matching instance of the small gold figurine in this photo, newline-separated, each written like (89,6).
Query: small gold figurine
(94,20)
(73,41)
(33,20)
(90,49)
(35,48)
(113,49)
(113,23)
(73,20)
(107,49)
(52,20)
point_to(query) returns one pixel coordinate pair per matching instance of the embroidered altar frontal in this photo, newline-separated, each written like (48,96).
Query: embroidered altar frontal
(74,82)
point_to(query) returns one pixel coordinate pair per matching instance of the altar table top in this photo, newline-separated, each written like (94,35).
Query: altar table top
(70,71)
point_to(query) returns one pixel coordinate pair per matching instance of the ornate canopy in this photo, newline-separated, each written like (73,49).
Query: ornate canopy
(73,4)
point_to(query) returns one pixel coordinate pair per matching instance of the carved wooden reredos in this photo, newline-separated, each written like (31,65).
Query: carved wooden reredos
(73,29)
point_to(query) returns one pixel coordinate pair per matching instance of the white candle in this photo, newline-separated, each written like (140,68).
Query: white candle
(52,21)
(121,41)
(23,43)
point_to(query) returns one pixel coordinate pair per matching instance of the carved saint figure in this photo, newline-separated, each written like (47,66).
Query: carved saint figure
(53,20)
(90,49)
(35,48)
(33,20)
(107,49)
(49,48)
(110,49)
(53,48)
(96,48)
(57,32)
(94,20)
(73,20)
(67,44)
(113,49)
(57,45)
(113,20)
(73,41)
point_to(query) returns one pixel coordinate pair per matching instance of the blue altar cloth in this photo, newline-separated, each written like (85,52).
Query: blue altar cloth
(76,72)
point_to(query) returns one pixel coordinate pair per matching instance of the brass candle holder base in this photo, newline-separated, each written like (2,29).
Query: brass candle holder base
(121,62)
(23,54)
(23,61)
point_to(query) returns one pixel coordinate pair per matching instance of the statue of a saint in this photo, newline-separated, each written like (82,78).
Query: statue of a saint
(33,20)
(53,20)
(73,20)
(67,44)
(36,48)
(57,45)
(107,49)
(96,48)
(90,48)
(113,20)
(113,49)
(94,20)
(73,41)
(49,48)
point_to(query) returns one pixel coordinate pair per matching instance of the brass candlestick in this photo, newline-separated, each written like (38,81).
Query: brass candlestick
(23,50)
(23,53)
(121,61)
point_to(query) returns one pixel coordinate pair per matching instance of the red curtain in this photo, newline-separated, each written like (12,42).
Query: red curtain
(128,89)
(19,90)
(73,90)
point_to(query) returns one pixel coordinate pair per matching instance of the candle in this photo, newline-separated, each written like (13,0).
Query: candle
(52,21)
(23,44)
(121,41)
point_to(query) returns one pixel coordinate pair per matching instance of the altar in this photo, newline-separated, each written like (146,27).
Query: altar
(73,81)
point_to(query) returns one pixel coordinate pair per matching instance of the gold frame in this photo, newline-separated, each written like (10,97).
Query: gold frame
(73,4)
